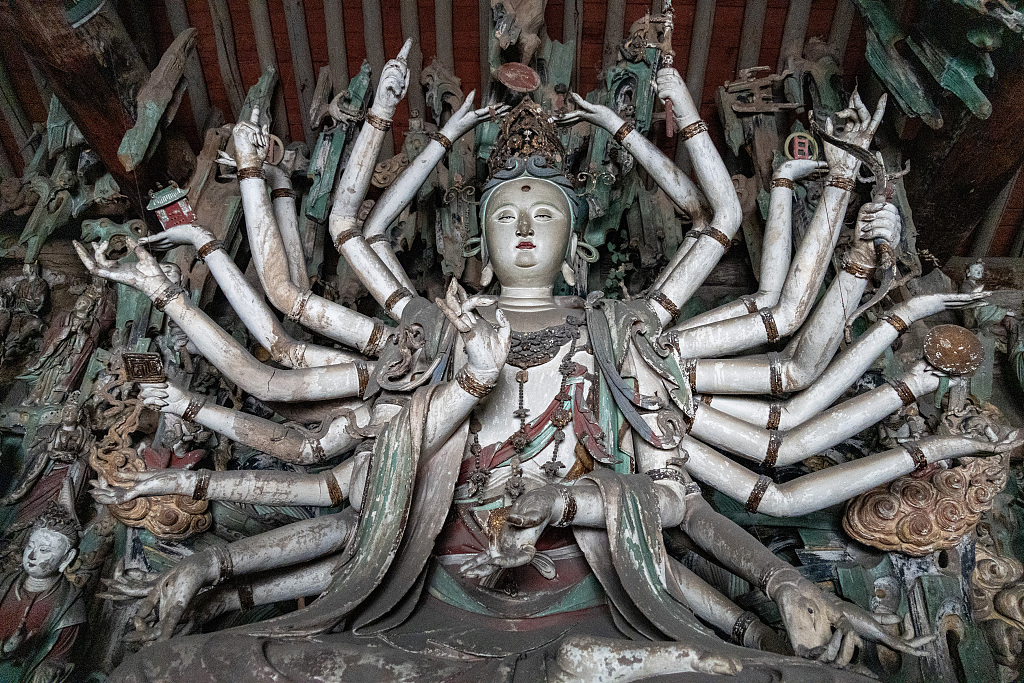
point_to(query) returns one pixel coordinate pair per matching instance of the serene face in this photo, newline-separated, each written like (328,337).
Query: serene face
(46,554)
(528,225)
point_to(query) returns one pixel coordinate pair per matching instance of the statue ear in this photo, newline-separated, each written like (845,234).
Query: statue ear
(69,557)
(569,274)
(487,274)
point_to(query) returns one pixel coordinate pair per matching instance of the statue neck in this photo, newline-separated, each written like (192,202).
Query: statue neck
(526,298)
(39,585)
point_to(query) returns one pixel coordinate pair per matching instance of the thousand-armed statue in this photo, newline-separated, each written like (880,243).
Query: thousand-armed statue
(524,466)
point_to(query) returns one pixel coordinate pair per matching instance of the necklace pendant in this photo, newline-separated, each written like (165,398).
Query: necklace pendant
(552,467)
(561,417)
(520,441)
(515,487)
(478,480)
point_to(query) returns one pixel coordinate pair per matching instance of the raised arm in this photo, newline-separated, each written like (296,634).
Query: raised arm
(716,183)
(289,442)
(405,187)
(219,347)
(247,303)
(778,247)
(283,197)
(689,270)
(270,256)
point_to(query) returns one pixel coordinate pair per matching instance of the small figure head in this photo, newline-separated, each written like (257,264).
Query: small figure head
(976,270)
(52,544)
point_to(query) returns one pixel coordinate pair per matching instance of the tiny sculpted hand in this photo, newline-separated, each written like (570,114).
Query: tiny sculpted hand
(466,118)
(252,141)
(146,274)
(859,130)
(879,220)
(140,484)
(165,397)
(597,114)
(513,543)
(187,233)
(486,347)
(164,606)
(798,169)
(826,628)
(394,81)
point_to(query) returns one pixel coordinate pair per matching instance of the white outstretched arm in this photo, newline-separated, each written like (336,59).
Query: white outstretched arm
(248,303)
(827,487)
(753,374)
(219,347)
(283,197)
(289,442)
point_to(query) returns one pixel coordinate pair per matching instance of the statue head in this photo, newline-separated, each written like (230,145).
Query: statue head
(976,270)
(52,544)
(529,211)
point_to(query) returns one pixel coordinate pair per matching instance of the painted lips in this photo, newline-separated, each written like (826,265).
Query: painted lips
(525,245)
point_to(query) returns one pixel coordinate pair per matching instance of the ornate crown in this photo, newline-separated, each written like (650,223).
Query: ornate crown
(526,132)
(58,518)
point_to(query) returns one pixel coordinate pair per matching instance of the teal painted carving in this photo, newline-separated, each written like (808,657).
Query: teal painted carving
(157,102)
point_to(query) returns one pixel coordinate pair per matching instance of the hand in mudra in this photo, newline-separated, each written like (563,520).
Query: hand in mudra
(164,397)
(252,141)
(167,601)
(831,630)
(177,235)
(486,347)
(672,87)
(513,533)
(394,81)
(597,114)
(465,118)
(859,130)
(146,275)
(132,485)
(879,220)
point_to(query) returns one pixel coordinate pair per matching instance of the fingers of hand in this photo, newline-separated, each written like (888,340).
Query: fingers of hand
(876,120)
(403,54)
(468,103)
(254,117)
(452,316)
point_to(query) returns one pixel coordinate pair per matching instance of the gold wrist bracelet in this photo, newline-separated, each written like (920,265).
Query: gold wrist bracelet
(693,130)
(624,130)
(345,236)
(378,122)
(471,385)
(207,249)
(202,485)
(783,182)
(251,172)
(442,139)
(166,296)
(847,184)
